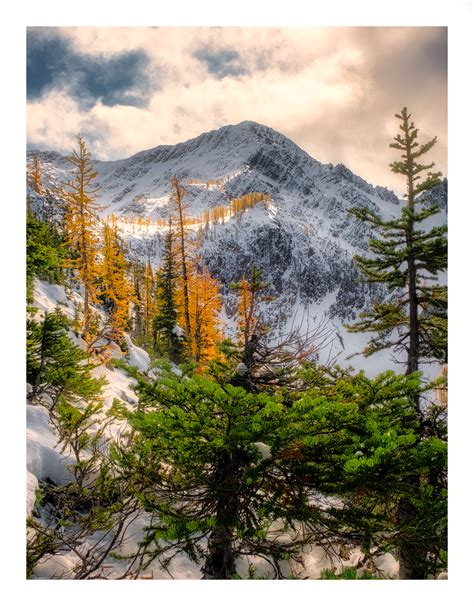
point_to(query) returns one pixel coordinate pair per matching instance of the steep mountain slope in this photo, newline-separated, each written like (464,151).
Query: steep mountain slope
(304,239)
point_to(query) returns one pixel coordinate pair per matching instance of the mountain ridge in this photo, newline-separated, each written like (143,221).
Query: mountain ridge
(303,240)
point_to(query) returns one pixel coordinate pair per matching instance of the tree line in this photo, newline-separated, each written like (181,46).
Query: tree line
(210,216)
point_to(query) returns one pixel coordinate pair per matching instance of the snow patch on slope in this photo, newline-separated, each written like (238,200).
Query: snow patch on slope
(136,355)
(44,459)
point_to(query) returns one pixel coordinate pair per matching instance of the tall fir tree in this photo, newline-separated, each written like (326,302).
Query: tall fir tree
(409,258)
(137,272)
(80,224)
(165,322)
(149,307)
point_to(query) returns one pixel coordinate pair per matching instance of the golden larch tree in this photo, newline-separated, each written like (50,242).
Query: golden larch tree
(34,175)
(204,307)
(80,225)
(115,287)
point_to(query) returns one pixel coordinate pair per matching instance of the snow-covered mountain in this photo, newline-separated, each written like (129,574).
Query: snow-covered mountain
(303,240)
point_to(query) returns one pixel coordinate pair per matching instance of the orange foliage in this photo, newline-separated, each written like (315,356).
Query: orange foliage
(80,221)
(204,307)
(34,175)
(215,214)
(115,286)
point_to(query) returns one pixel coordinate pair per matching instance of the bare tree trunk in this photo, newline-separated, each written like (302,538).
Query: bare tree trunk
(220,560)
(411,554)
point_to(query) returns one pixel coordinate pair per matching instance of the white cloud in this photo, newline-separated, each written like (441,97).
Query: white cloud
(54,120)
(332,90)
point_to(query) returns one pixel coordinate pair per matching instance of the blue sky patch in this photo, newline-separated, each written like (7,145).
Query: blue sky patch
(221,64)
(52,63)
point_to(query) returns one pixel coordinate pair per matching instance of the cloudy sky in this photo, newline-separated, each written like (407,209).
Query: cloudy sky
(333,91)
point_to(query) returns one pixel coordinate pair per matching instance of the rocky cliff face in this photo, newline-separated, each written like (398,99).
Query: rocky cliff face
(303,240)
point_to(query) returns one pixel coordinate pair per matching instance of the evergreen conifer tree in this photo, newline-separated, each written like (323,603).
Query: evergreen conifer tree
(409,258)
(197,469)
(55,365)
(45,252)
(148,300)
(166,318)
(225,472)
(137,273)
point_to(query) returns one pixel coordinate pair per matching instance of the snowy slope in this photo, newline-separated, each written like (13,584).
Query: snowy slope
(304,240)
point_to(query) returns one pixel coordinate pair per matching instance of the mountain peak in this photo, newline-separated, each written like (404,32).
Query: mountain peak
(247,156)
(246,131)
(261,131)
(252,126)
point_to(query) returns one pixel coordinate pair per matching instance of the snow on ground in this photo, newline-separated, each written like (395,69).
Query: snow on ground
(119,384)
(136,355)
(31,487)
(57,567)
(43,457)
(48,296)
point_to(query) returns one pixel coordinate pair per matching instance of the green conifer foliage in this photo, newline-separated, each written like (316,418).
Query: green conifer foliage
(55,365)
(91,513)
(166,318)
(225,472)
(408,258)
(198,469)
(45,253)
(379,470)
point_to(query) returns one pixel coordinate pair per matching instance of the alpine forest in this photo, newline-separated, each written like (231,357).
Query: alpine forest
(229,381)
